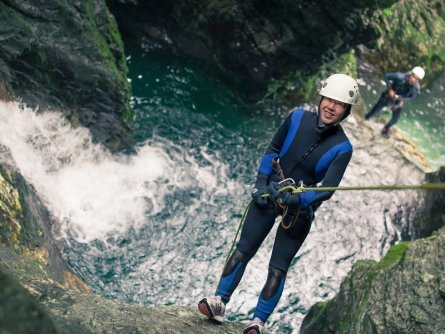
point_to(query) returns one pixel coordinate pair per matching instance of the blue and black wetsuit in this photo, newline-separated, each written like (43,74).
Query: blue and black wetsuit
(397,81)
(326,163)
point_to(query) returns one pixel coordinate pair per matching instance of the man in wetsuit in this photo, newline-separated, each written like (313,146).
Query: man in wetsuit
(312,148)
(400,87)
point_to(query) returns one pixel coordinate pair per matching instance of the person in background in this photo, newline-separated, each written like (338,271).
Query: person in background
(400,87)
(308,147)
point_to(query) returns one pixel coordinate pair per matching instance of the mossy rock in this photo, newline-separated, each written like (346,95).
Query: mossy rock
(402,293)
(11,212)
(20,313)
(412,33)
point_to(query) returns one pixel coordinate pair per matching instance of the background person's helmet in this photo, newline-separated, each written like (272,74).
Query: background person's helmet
(418,72)
(340,87)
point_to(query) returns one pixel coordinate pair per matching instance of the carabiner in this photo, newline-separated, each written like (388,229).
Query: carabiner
(287,182)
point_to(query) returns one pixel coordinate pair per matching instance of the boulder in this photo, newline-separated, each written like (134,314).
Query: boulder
(403,293)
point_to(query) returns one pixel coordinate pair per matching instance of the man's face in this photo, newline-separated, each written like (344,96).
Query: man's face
(412,79)
(331,111)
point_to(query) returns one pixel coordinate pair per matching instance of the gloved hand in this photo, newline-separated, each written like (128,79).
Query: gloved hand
(272,189)
(391,93)
(285,197)
(259,189)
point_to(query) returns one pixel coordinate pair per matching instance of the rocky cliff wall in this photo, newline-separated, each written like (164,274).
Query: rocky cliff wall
(68,55)
(431,214)
(253,41)
(403,293)
(411,33)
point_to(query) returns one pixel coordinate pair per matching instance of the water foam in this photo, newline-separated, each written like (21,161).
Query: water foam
(88,190)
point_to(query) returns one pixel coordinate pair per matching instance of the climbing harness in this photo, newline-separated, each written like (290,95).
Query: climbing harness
(300,188)
(288,218)
(396,103)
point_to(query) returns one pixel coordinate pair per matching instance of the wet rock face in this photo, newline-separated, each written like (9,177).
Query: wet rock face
(27,246)
(410,32)
(252,41)
(68,55)
(20,313)
(89,313)
(431,215)
(403,293)
(52,309)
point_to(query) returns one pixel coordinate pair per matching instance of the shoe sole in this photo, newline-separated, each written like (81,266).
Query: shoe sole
(251,331)
(205,309)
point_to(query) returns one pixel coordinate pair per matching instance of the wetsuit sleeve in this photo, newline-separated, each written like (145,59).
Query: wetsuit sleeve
(391,77)
(274,148)
(333,176)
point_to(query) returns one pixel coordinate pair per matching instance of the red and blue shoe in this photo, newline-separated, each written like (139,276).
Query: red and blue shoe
(212,307)
(256,326)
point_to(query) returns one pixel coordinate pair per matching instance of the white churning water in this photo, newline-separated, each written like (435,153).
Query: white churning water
(91,192)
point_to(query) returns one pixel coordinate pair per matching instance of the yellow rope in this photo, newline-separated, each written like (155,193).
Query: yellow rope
(236,234)
(425,186)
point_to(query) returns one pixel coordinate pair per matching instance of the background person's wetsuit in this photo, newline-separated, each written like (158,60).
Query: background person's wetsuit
(326,163)
(397,81)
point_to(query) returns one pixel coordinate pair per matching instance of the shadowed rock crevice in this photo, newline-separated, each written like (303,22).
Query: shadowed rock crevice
(254,42)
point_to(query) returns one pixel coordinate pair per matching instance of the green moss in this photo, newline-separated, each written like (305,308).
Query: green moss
(31,266)
(393,257)
(388,12)
(371,269)
(356,290)
(412,35)
(395,254)
(10,212)
(318,311)
(107,40)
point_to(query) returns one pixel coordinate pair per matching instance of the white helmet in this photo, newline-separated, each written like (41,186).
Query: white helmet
(340,87)
(418,72)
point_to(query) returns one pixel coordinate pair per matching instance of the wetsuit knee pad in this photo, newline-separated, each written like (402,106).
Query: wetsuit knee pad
(233,262)
(231,276)
(273,284)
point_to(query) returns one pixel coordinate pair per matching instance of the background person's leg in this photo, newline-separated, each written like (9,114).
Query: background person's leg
(394,119)
(395,116)
(382,102)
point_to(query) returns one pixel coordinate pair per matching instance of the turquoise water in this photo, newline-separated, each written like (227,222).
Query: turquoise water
(172,83)
(425,122)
